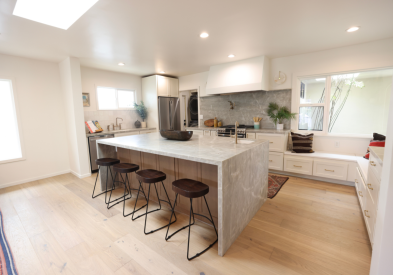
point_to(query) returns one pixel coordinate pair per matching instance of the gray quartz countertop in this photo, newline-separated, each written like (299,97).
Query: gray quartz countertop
(119,131)
(205,149)
(266,131)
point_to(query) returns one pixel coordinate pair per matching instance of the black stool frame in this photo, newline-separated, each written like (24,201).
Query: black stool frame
(147,207)
(189,228)
(106,184)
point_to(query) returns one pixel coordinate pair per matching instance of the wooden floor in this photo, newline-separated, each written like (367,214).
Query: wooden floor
(53,226)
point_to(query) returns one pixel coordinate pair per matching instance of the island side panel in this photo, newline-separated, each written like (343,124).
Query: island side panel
(105,151)
(243,186)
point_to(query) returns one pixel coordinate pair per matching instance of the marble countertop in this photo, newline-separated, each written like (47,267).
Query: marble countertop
(205,149)
(266,131)
(119,131)
(378,152)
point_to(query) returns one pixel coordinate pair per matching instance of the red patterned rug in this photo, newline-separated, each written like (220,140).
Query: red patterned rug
(275,184)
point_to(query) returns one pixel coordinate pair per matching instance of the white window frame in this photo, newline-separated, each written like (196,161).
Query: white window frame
(18,119)
(296,80)
(117,100)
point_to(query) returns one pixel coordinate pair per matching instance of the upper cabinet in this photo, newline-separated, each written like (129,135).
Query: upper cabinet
(167,86)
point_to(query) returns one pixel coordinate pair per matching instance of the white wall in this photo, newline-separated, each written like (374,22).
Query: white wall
(70,76)
(377,54)
(91,78)
(38,93)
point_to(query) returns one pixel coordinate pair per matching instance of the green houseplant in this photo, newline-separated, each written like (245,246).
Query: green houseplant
(142,111)
(279,114)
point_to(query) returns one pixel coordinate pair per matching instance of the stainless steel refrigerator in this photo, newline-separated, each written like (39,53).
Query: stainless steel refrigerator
(169,113)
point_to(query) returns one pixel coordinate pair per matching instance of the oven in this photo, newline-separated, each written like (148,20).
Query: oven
(228,131)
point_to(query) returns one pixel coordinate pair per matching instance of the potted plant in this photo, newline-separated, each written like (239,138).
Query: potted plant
(278,114)
(142,111)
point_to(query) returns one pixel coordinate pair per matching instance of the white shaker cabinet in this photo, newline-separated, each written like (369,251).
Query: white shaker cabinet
(167,86)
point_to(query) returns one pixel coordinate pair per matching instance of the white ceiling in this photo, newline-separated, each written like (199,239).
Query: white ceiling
(154,35)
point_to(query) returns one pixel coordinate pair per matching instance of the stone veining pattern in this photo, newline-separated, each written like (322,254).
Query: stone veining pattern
(247,106)
(242,173)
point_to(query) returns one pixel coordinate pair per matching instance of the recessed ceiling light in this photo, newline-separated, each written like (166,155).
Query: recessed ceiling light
(121,64)
(204,35)
(162,72)
(353,29)
(231,55)
(60,13)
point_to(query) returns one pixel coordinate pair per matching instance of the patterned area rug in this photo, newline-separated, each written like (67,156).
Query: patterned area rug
(7,264)
(275,184)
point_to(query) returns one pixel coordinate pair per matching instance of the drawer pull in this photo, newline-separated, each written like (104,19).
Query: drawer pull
(329,170)
(369,186)
(360,193)
(298,166)
(270,160)
(373,164)
(270,141)
(365,213)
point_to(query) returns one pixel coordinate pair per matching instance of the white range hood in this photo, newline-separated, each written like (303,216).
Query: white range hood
(240,76)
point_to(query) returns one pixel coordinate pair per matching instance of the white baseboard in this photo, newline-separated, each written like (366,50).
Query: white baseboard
(80,176)
(33,179)
(342,182)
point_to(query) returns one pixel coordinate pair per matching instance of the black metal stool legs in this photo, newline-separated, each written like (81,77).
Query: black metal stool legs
(189,228)
(106,184)
(118,200)
(147,208)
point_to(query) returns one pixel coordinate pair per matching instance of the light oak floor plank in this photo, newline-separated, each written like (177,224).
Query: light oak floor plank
(54,226)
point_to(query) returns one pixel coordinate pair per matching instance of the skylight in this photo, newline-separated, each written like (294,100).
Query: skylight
(57,13)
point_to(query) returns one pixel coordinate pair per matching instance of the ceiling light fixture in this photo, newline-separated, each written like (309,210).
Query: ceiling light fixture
(353,29)
(60,13)
(162,72)
(231,55)
(204,35)
(121,64)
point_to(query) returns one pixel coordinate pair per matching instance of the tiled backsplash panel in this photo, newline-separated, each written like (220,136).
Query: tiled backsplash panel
(247,106)
(108,117)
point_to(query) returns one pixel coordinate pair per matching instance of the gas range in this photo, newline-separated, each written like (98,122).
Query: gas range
(228,130)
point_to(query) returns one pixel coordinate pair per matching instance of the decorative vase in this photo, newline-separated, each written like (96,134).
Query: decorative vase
(280,126)
(143,124)
(137,124)
(256,125)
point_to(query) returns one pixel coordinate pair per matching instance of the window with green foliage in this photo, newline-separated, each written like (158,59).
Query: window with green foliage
(352,103)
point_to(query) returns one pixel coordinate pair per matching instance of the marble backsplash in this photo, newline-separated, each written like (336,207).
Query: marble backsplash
(247,106)
(108,117)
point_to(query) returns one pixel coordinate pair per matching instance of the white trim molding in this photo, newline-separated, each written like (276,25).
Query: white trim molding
(34,179)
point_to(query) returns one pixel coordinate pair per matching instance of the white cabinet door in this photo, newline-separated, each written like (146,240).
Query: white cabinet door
(173,87)
(330,169)
(251,135)
(197,132)
(162,86)
(206,132)
(276,161)
(214,133)
(298,165)
(276,142)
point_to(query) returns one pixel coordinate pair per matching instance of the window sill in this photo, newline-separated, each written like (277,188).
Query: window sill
(11,160)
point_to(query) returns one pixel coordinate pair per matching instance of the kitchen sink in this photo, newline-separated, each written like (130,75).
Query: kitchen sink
(243,141)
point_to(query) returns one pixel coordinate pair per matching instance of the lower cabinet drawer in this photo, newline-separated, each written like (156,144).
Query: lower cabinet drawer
(276,161)
(298,165)
(369,214)
(375,166)
(276,142)
(372,185)
(360,187)
(331,169)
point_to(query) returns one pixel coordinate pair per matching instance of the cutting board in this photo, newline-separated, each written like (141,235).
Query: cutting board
(209,123)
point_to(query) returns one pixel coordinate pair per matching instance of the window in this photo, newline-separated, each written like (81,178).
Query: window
(352,103)
(114,99)
(10,145)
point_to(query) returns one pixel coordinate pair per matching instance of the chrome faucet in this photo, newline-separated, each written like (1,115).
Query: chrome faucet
(117,125)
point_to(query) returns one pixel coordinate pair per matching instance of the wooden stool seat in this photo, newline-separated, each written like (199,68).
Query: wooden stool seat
(190,188)
(107,161)
(125,167)
(150,176)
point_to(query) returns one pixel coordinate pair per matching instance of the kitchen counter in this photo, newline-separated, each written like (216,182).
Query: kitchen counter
(105,132)
(234,172)
(264,131)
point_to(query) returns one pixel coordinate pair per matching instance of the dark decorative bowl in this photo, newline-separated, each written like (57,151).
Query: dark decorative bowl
(176,135)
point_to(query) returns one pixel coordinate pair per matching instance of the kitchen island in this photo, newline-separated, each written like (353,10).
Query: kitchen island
(237,174)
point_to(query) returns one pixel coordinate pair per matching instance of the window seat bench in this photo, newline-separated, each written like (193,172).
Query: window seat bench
(325,166)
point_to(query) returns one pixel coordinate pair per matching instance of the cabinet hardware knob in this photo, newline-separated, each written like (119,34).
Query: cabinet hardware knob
(371,161)
(270,141)
(365,213)
(373,164)
(369,186)
(297,166)
(360,193)
(270,160)
(329,170)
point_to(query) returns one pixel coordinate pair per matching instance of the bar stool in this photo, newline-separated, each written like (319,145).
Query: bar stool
(191,189)
(125,168)
(150,177)
(108,162)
